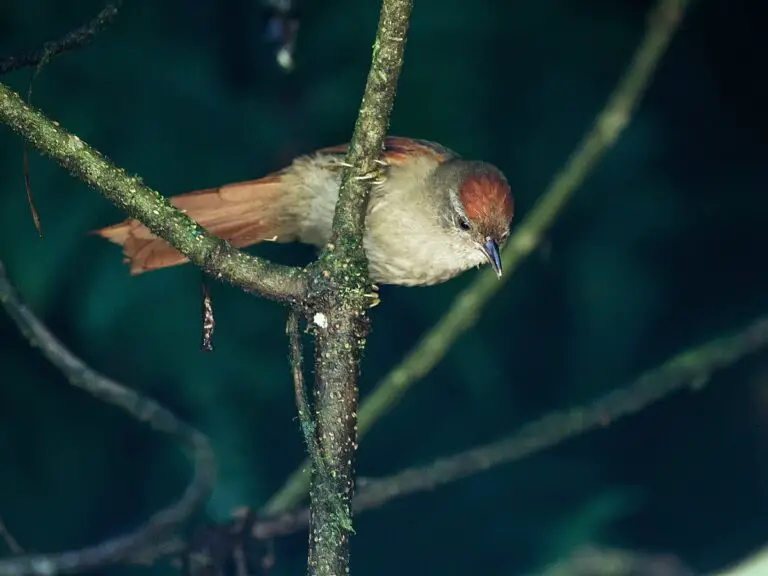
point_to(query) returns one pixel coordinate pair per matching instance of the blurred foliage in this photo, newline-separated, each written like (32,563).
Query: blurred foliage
(662,248)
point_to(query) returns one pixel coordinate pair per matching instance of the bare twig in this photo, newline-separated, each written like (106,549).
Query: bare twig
(663,23)
(306,418)
(162,524)
(71,40)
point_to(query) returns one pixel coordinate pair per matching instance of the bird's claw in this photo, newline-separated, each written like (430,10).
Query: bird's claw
(377,175)
(374,296)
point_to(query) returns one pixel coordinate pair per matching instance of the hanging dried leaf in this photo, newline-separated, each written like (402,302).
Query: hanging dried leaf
(209,322)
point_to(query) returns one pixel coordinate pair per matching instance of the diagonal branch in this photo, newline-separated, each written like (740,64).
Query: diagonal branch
(70,41)
(162,524)
(467,306)
(216,256)
(691,368)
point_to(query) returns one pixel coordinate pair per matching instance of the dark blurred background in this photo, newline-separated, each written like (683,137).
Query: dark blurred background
(664,247)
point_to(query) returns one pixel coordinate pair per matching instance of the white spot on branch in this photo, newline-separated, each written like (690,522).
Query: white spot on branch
(321,320)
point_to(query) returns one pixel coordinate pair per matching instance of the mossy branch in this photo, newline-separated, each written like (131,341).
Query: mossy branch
(337,304)
(663,22)
(211,253)
(162,524)
(372,122)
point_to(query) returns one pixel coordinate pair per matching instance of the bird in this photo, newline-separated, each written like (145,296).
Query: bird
(431,214)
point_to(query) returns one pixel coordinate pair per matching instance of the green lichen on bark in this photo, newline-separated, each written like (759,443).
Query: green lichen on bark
(370,129)
(340,290)
(146,205)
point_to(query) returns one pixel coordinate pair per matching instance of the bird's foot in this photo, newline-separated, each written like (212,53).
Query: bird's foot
(377,174)
(374,296)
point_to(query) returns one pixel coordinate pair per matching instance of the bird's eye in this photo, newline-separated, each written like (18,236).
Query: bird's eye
(464,224)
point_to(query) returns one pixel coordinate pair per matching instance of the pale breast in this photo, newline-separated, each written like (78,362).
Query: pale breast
(406,241)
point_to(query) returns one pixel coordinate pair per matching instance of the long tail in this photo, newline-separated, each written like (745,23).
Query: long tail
(244,213)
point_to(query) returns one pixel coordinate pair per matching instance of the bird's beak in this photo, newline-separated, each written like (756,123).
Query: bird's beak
(491,251)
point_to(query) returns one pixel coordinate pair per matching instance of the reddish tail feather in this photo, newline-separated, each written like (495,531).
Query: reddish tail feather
(244,214)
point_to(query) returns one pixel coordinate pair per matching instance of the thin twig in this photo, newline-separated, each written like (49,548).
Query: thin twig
(306,419)
(162,524)
(467,306)
(71,40)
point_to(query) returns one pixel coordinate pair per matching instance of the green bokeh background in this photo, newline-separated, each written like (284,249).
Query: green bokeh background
(662,248)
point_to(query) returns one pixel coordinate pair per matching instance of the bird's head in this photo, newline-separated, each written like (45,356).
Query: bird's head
(480,206)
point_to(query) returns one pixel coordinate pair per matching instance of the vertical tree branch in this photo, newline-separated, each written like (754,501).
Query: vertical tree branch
(339,294)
